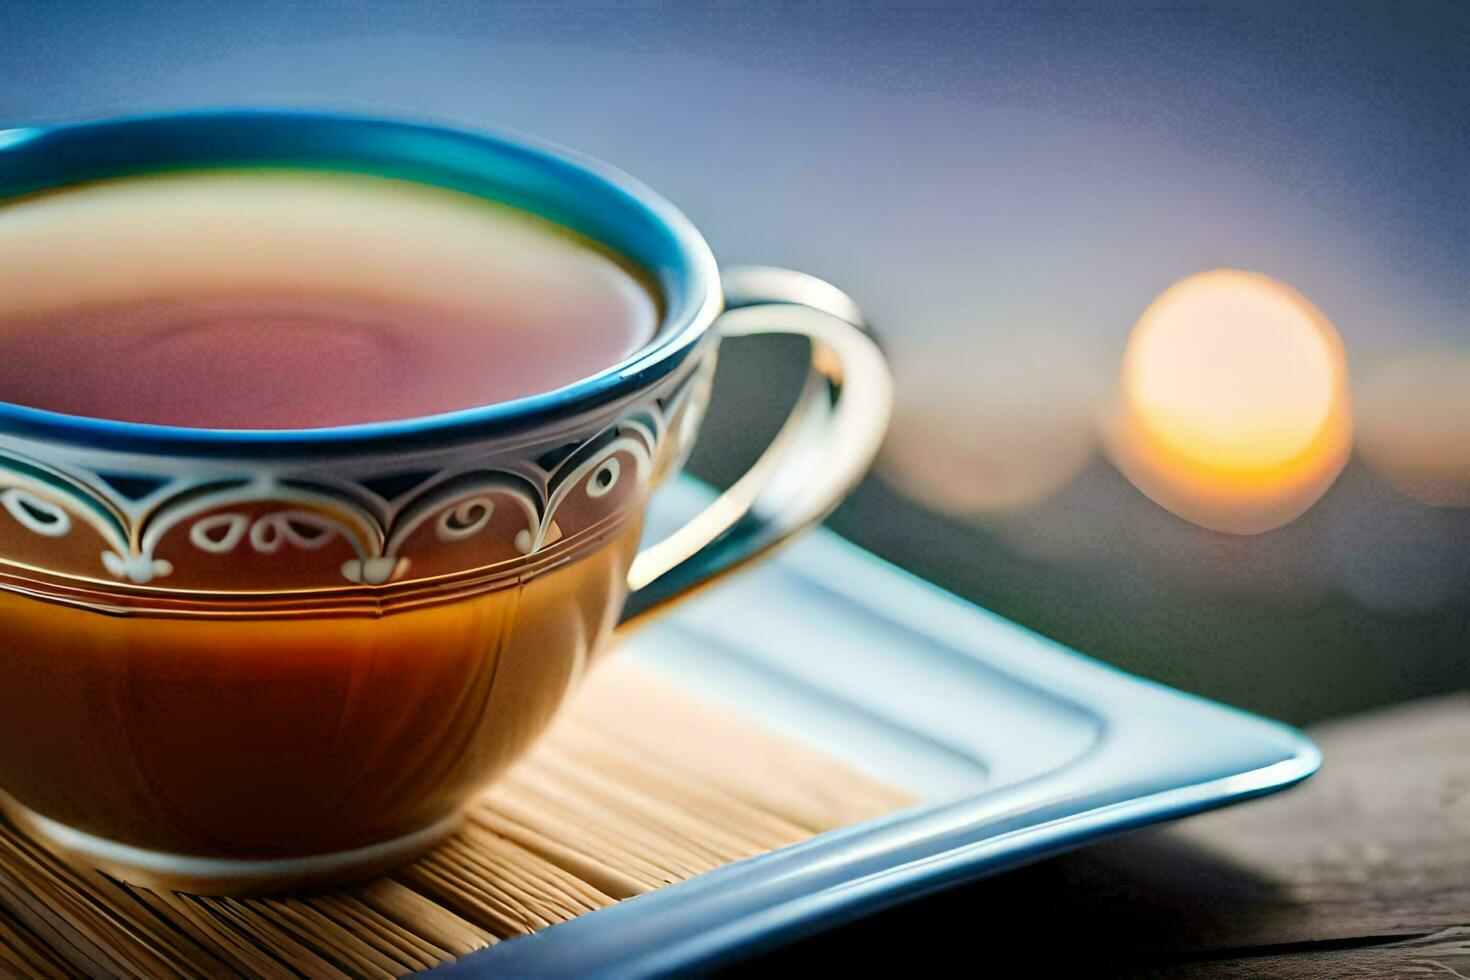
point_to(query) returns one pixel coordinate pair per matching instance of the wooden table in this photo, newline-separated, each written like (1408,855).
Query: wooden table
(1362,871)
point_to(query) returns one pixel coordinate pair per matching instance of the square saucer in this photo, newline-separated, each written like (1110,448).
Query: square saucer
(1018,748)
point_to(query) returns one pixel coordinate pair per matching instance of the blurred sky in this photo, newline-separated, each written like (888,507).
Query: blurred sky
(1004,187)
(783,127)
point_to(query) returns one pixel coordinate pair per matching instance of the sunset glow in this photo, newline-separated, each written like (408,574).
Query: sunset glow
(1233,407)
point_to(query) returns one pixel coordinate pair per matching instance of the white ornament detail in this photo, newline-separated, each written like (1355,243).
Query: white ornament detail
(465,519)
(234,525)
(605,478)
(36,514)
(271,531)
(374,571)
(267,534)
(139,569)
(526,544)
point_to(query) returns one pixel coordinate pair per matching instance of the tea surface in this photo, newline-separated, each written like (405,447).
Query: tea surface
(290,299)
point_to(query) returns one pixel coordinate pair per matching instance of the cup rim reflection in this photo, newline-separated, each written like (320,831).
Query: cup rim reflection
(572,190)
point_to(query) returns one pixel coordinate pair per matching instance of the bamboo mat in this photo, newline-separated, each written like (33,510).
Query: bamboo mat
(635,787)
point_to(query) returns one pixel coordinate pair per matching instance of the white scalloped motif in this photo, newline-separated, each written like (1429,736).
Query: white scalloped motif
(319,509)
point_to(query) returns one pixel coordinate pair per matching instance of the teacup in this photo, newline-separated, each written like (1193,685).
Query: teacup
(255,659)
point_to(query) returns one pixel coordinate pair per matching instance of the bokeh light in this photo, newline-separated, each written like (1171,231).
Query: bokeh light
(984,428)
(1414,426)
(1233,409)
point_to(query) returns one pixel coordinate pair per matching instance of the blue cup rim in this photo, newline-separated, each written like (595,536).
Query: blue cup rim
(569,188)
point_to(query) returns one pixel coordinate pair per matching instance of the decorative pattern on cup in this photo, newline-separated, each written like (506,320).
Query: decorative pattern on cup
(271,528)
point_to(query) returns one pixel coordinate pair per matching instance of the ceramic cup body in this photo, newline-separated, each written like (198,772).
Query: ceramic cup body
(241,660)
(261,659)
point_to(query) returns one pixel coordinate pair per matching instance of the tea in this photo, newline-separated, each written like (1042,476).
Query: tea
(268,299)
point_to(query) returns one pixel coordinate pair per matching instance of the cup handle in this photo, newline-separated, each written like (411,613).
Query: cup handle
(823,449)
